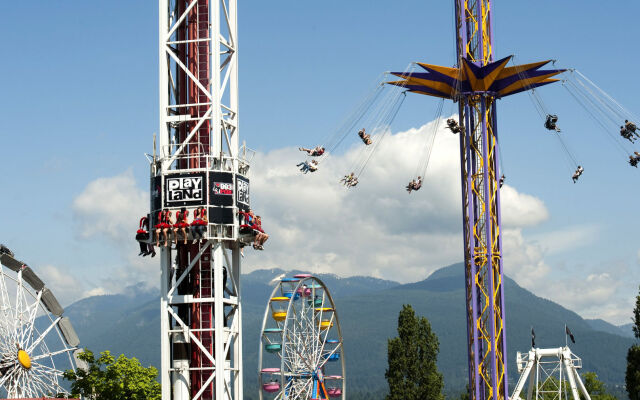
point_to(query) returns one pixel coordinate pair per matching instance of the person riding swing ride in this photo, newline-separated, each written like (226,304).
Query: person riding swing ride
(550,123)
(415,184)
(365,137)
(315,152)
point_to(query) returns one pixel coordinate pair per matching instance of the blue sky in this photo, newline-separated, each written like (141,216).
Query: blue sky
(79,104)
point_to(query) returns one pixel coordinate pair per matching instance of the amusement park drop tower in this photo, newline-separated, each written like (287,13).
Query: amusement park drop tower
(200,166)
(475,84)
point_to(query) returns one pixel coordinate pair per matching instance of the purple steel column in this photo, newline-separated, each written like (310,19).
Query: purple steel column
(472,303)
(467,168)
(488,222)
(474,41)
(499,217)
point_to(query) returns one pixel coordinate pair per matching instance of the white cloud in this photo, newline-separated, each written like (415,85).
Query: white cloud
(98,291)
(594,291)
(565,239)
(66,287)
(519,209)
(375,228)
(110,206)
(524,260)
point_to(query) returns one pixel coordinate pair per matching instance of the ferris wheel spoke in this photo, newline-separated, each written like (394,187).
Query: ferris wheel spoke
(10,374)
(42,336)
(41,349)
(46,368)
(39,386)
(299,354)
(303,388)
(7,344)
(27,384)
(24,313)
(51,354)
(52,386)
(326,335)
(51,375)
(6,304)
(16,383)
(32,318)
(329,354)
(17,319)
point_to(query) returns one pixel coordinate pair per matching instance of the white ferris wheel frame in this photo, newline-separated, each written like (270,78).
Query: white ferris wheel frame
(54,341)
(302,336)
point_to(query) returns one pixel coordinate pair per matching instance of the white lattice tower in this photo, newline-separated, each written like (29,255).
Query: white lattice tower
(199,164)
(549,374)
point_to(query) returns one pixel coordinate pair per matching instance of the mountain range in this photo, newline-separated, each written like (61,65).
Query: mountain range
(368,309)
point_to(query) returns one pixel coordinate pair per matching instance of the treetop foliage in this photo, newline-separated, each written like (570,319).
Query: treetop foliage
(108,378)
(632,375)
(413,373)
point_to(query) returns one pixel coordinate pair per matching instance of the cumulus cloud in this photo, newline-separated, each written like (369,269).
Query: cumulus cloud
(567,238)
(375,228)
(519,209)
(524,260)
(110,207)
(66,287)
(594,291)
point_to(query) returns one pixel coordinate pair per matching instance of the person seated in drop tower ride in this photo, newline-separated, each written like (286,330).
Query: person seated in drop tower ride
(162,227)
(181,225)
(142,236)
(261,236)
(199,224)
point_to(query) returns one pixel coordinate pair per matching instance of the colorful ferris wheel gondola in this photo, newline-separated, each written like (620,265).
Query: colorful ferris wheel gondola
(301,350)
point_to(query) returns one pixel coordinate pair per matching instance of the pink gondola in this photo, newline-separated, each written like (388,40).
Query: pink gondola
(271,386)
(334,392)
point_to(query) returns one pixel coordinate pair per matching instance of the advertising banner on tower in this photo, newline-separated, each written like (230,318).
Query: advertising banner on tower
(221,192)
(242,193)
(185,190)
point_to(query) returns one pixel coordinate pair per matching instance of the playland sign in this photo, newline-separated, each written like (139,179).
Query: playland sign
(183,190)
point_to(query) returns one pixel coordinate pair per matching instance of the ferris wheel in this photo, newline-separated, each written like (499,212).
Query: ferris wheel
(301,353)
(37,343)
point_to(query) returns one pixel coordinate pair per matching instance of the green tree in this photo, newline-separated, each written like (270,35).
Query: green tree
(595,387)
(413,373)
(632,376)
(108,378)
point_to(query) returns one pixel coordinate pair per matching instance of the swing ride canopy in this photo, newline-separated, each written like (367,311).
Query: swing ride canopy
(494,77)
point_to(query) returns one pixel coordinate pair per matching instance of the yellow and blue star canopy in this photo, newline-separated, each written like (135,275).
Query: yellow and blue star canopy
(495,78)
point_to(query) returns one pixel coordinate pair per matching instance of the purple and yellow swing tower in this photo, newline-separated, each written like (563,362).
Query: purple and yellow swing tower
(475,84)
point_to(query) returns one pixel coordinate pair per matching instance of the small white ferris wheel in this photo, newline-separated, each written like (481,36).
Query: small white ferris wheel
(301,350)
(37,344)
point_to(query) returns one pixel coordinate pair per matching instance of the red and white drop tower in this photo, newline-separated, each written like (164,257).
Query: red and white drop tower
(199,163)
